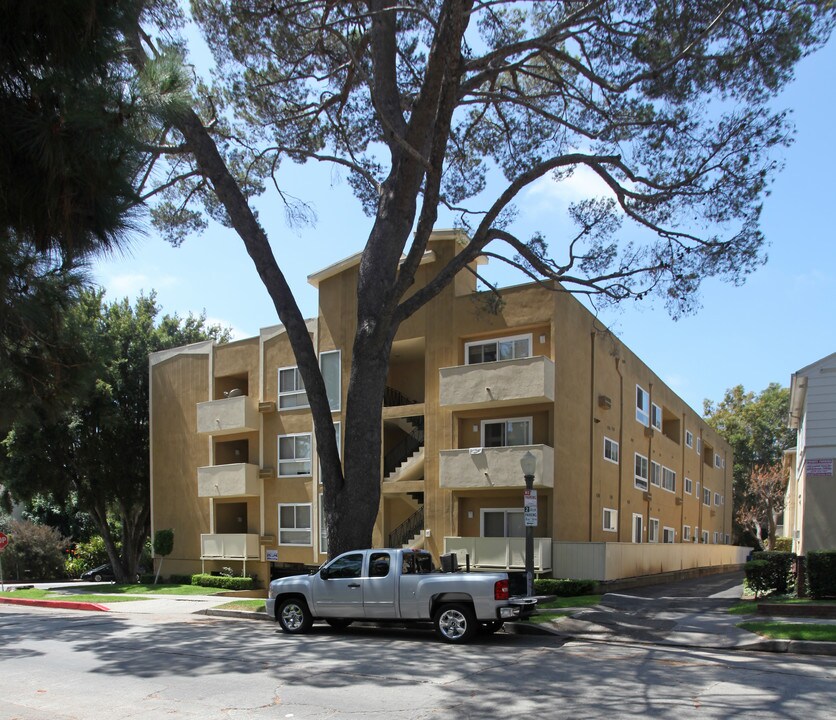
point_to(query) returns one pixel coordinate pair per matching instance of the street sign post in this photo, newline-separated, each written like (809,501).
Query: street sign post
(4,540)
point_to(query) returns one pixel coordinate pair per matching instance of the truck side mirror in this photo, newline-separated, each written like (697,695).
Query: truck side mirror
(323,573)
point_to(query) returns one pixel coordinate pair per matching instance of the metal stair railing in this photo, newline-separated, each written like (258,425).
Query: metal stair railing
(408,529)
(402,451)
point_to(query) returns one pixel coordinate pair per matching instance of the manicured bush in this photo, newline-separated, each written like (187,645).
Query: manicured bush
(564,588)
(220,581)
(757,576)
(180,579)
(779,573)
(783,544)
(821,574)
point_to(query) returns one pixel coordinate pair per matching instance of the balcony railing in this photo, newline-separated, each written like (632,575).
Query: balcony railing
(507,553)
(494,467)
(227,416)
(237,546)
(233,480)
(507,382)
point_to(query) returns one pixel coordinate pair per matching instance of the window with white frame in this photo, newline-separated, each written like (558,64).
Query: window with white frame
(698,489)
(706,496)
(686,533)
(668,535)
(727,539)
(330,366)
(641,472)
(722,499)
(696,533)
(323,531)
(716,498)
(656,416)
(638,527)
(716,538)
(705,537)
(717,460)
(689,439)
(507,432)
(294,455)
(295,524)
(668,480)
(655,473)
(507,348)
(689,486)
(610,520)
(611,450)
(642,405)
(291,389)
(699,446)
(653,530)
(502,522)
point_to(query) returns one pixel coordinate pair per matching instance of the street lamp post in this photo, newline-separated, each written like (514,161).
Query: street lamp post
(528,463)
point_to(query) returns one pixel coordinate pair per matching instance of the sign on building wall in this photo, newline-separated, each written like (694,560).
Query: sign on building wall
(820,467)
(272,555)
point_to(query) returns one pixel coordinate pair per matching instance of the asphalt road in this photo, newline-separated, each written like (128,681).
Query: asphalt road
(71,665)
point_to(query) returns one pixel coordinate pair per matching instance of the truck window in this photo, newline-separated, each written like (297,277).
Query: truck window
(417,563)
(347,566)
(379,565)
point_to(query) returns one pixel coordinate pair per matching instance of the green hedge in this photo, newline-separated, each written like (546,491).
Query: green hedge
(758,576)
(222,581)
(564,588)
(180,579)
(821,574)
(783,544)
(779,577)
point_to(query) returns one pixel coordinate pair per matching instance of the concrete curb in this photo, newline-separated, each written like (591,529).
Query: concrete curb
(239,614)
(60,604)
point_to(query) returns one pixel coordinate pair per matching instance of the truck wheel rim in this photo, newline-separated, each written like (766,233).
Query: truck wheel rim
(292,616)
(452,624)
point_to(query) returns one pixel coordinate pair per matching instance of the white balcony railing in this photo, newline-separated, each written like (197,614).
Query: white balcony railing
(507,553)
(233,480)
(497,384)
(230,415)
(231,546)
(494,467)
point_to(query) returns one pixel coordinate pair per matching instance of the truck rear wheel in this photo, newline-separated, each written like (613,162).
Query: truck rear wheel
(293,616)
(455,623)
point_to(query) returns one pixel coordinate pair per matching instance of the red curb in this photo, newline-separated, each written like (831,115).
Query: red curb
(61,604)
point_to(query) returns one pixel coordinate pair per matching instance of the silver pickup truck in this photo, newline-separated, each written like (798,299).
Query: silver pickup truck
(395,585)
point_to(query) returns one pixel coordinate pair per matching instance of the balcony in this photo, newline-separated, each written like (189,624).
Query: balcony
(227,416)
(233,480)
(497,384)
(506,553)
(494,467)
(238,546)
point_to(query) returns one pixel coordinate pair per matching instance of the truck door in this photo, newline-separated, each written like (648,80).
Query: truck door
(340,594)
(379,597)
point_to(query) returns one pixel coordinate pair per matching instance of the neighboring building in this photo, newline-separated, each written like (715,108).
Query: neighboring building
(810,512)
(630,480)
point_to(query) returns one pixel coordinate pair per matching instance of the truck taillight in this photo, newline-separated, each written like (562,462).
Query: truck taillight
(500,590)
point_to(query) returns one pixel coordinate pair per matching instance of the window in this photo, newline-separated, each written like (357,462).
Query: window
(610,450)
(503,522)
(509,348)
(638,521)
(706,496)
(668,535)
(610,520)
(655,473)
(294,455)
(727,539)
(686,533)
(689,486)
(346,566)
(653,530)
(295,524)
(668,479)
(698,488)
(656,416)
(641,472)
(722,499)
(699,443)
(329,365)
(717,460)
(689,438)
(705,537)
(506,433)
(291,389)
(716,538)
(379,564)
(716,498)
(642,405)
(696,533)
(323,531)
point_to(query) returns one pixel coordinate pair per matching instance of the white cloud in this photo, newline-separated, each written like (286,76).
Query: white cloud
(237,332)
(130,285)
(583,183)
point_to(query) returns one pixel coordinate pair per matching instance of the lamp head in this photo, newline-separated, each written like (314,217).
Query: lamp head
(528,463)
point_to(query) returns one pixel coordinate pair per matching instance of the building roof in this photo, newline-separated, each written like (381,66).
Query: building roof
(798,388)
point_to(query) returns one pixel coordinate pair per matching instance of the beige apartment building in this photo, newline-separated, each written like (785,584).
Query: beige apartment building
(629,480)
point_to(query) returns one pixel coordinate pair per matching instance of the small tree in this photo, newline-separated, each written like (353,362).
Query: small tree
(763,501)
(34,551)
(163,545)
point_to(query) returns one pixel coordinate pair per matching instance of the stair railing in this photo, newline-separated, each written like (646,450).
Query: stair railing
(408,529)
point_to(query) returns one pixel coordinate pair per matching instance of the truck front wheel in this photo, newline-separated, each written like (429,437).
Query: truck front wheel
(293,616)
(455,623)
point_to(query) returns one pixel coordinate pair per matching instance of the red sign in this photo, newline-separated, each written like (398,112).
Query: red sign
(4,540)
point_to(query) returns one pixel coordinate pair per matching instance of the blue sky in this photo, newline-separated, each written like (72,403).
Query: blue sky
(779,321)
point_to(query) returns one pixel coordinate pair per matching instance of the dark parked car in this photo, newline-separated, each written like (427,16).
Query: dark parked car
(104,572)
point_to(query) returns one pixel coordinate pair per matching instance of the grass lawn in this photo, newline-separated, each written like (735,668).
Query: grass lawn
(792,631)
(164,589)
(253,605)
(750,605)
(35,594)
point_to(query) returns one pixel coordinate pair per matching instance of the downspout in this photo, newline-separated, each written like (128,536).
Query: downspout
(592,422)
(681,491)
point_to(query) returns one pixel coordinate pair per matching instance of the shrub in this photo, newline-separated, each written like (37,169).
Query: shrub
(85,555)
(179,579)
(821,574)
(220,581)
(34,551)
(757,576)
(783,544)
(779,572)
(564,588)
